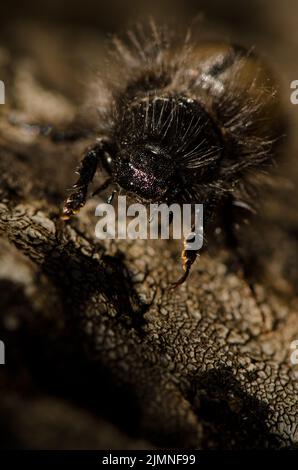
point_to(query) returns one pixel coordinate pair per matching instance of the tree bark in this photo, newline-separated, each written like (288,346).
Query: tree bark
(99,351)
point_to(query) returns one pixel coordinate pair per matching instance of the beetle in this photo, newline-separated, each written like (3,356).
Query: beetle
(190,123)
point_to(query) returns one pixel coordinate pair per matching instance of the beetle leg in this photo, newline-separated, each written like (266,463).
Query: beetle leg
(188,257)
(86,172)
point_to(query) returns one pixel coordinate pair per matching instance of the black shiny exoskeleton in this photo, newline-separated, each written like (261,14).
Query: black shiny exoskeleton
(187,124)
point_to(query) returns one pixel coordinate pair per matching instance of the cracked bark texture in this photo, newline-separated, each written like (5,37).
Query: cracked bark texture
(99,353)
